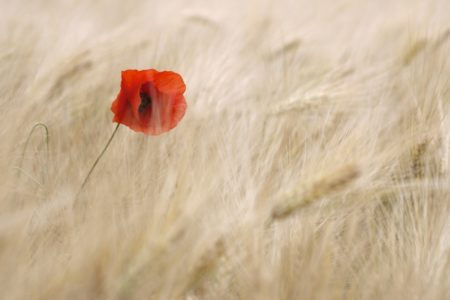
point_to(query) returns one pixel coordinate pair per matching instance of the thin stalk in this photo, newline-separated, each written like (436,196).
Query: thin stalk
(19,169)
(98,158)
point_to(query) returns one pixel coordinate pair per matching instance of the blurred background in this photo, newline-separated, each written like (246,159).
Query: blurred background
(312,162)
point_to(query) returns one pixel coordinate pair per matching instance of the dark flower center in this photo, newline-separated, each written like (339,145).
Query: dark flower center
(146,101)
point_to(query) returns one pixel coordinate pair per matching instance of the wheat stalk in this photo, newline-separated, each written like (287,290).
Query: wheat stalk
(319,188)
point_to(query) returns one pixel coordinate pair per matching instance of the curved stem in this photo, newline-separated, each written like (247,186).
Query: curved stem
(26,146)
(98,159)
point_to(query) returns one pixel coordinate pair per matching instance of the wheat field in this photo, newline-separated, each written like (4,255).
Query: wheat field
(312,162)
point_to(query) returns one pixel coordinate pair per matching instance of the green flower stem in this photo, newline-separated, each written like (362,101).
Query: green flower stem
(98,158)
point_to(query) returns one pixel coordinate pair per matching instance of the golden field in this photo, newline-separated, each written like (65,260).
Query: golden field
(312,162)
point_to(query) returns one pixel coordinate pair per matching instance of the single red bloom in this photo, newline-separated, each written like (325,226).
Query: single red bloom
(150,101)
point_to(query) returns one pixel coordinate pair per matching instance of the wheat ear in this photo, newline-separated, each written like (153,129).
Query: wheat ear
(319,188)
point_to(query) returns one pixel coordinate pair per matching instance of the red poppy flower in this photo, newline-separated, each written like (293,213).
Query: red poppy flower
(150,101)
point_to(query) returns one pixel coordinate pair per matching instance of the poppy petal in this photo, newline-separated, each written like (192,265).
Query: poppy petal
(149,101)
(169,82)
